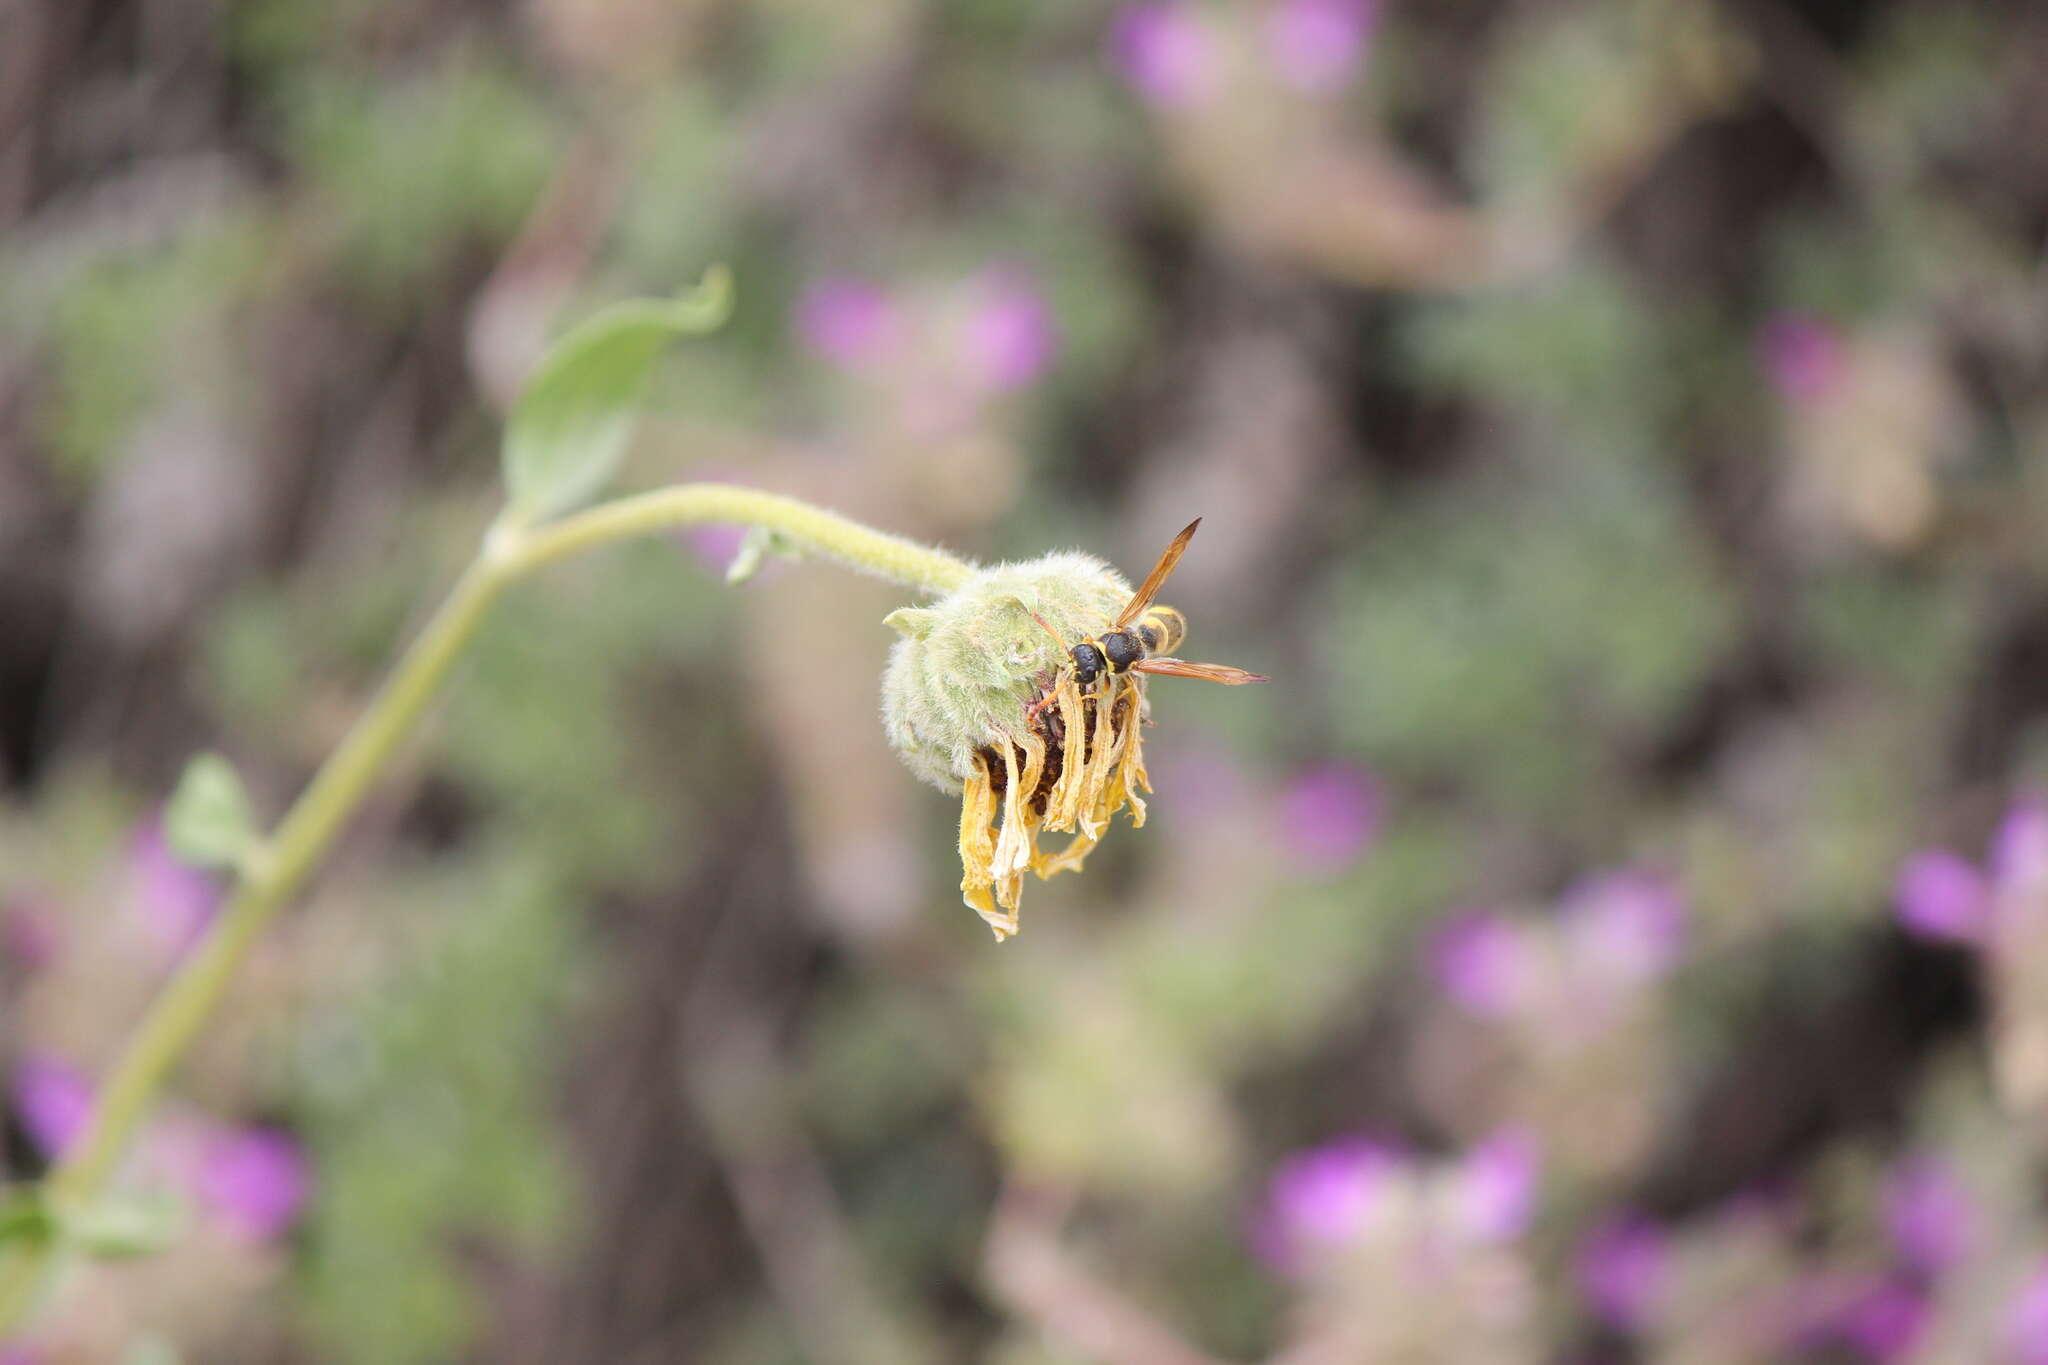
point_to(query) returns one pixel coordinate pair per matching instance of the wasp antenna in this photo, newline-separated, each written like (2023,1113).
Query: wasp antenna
(1047,624)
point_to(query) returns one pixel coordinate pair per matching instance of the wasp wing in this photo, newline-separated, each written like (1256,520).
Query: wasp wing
(1215,673)
(1156,580)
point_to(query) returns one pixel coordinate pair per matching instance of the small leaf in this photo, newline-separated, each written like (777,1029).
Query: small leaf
(568,430)
(121,1228)
(208,822)
(912,622)
(760,542)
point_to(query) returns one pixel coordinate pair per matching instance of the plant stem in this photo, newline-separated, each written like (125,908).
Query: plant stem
(273,877)
(876,552)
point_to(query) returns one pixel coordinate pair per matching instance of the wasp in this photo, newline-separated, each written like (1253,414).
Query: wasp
(1138,639)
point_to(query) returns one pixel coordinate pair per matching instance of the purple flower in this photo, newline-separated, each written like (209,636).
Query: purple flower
(849,322)
(1622,1268)
(176,902)
(1316,44)
(2019,850)
(1321,1199)
(1329,815)
(1802,356)
(1165,53)
(1939,895)
(1482,962)
(255,1181)
(1009,333)
(1494,1188)
(2026,1321)
(54,1101)
(1628,927)
(1884,1322)
(19,1355)
(715,545)
(1929,1215)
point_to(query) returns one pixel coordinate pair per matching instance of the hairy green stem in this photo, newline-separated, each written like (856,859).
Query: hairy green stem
(876,552)
(276,873)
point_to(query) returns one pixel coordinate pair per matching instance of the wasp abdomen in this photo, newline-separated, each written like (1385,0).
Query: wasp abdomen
(1163,629)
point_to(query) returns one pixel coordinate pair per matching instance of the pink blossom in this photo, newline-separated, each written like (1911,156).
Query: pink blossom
(1482,962)
(1622,1268)
(1929,1215)
(1627,927)
(2026,1321)
(2019,850)
(1009,333)
(1316,45)
(255,1181)
(1329,815)
(1939,895)
(1321,1199)
(1884,1322)
(54,1101)
(715,545)
(849,322)
(176,902)
(1494,1189)
(1802,356)
(1165,53)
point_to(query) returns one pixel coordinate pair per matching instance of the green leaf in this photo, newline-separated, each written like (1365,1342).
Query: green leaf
(568,430)
(208,822)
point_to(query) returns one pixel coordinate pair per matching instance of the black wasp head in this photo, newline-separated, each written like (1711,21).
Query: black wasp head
(1088,664)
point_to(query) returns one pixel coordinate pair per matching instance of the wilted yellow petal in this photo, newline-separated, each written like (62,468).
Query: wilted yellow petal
(1065,803)
(977,851)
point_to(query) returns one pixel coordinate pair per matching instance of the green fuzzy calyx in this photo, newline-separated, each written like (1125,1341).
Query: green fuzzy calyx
(969,664)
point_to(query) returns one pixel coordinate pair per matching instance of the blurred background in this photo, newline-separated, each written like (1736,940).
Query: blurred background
(1619,933)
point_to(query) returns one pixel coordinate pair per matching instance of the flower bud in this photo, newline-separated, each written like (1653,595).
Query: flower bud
(982,700)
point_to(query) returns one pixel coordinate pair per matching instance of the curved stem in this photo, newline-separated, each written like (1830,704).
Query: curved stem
(309,829)
(827,533)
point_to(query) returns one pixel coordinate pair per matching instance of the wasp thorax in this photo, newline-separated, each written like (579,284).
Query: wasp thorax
(981,699)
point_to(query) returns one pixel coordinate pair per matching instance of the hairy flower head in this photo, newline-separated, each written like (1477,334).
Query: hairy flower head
(958,703)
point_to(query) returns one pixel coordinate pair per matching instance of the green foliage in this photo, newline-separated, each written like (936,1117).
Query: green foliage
(134,329)
(407,173)
(1576,350)
(557,708)
(25,1217)
(427,1116)
(567,433)
(1521,637)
